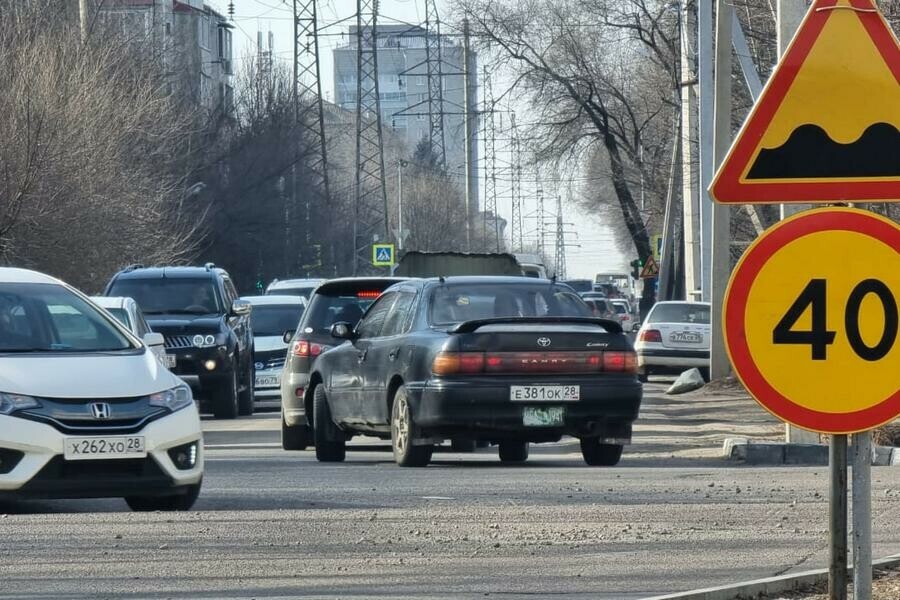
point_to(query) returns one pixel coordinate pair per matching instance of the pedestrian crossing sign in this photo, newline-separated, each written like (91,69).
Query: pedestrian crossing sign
(383,255)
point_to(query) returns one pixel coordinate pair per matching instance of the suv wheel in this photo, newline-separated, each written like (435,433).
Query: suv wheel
(225,401)
(168,503)
(330,444)
(513,451)
(403,431)
(600,455)
(294,437)
(245,395)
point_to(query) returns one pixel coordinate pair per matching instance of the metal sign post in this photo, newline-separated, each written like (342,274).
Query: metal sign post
(837,519)
(861,456)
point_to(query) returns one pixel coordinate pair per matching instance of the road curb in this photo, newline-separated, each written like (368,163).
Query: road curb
(774,453)
(770,585)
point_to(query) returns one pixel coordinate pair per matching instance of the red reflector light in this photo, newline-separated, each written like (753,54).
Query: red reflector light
(651,335)
(471,362)
(317,349)
(301,349)
(620,362)
(543,362)
(299,392)
(368,294)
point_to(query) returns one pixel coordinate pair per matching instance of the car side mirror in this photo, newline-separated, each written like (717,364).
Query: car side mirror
(154,339)
(636,327)
(240,308)
(288,336)
(343,331)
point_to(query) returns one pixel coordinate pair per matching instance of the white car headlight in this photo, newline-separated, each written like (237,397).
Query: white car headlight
(13,402)
(174,399)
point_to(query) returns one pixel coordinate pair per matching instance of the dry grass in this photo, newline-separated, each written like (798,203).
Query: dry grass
(887,435)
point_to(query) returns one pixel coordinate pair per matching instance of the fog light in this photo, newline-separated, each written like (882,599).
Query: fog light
(185,456)
(299,392)
(9,459)
(210,365)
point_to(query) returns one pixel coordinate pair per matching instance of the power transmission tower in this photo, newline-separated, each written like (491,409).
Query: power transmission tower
(370,223)
(490,156)
(560,241)
(434,64)
(309,114)
(516,232)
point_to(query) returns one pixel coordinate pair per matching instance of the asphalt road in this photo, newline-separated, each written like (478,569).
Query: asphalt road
(273,524)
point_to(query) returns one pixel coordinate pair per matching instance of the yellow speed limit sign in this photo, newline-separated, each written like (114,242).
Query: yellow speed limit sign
(811,320)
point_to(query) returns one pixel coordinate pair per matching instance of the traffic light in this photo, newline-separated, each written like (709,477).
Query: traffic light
(636,266)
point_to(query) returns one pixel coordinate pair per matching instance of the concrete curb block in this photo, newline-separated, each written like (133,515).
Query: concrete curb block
(774,453)
(770,585)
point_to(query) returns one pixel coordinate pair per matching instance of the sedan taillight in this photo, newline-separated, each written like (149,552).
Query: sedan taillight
(462,363)
(306,349)
(651,335)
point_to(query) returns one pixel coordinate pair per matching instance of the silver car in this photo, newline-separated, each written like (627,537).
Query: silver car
(127,312)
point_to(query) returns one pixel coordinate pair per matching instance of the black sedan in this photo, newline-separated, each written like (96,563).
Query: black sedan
(507,360)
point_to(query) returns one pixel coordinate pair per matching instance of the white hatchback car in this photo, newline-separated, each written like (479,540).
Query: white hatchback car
(86,410)
(128,313)
(674,337)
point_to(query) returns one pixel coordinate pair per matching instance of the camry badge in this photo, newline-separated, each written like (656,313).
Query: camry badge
(101,410)
(543,342)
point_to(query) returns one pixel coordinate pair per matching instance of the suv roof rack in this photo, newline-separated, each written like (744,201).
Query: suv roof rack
(133,267)
(209,266)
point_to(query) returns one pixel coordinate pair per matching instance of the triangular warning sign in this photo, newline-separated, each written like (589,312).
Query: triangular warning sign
(826,128)
(651,268)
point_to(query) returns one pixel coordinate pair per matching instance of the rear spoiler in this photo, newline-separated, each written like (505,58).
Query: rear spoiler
(475,324)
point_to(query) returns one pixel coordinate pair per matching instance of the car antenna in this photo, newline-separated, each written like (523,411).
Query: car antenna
(441,279)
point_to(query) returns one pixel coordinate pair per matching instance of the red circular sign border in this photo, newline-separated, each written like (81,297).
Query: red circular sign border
(736,296)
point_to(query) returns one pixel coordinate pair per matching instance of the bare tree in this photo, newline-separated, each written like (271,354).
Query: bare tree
(90,141)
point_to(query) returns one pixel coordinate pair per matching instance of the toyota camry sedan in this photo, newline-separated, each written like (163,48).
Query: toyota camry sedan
(86,409)
(506,360)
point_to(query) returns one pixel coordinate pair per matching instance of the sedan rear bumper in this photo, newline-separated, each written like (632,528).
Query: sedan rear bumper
(483,409)
(672,357)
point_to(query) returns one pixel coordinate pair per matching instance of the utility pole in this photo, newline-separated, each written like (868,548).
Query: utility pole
(83,18)
(308,108)
(490,157)
(706,88)
(721,213)
(471,151)
(433,64)
(541,216)
(788,15)
(689,177)
(516,189)
(370,222)
(560,252)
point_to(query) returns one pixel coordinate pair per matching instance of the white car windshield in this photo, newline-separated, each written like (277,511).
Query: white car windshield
(41,317)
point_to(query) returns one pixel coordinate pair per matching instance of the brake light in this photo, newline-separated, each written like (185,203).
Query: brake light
(459,363)
(620,362)
(651,335)
(368,294)
(456,363)
(305,349)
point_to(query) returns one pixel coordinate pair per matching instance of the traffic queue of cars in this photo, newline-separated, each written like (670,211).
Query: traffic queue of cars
(485,360)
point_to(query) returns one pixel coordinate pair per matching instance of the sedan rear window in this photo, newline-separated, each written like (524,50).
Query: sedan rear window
(275,319)
(326,310)
(679,313)
(455,303)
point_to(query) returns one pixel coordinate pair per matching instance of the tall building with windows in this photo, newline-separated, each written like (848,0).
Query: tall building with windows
(403,88)
(193,40)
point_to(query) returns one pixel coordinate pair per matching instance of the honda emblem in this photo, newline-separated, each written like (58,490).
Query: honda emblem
(101,410)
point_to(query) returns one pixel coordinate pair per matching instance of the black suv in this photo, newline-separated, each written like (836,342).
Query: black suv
(209,342)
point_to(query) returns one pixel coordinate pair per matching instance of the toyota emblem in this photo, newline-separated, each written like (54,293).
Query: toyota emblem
(543,342)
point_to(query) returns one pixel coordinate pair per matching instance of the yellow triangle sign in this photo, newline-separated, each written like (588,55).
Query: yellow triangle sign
(826,128)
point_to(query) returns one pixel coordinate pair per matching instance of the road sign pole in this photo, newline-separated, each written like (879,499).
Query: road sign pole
(837,519)
(862,515)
